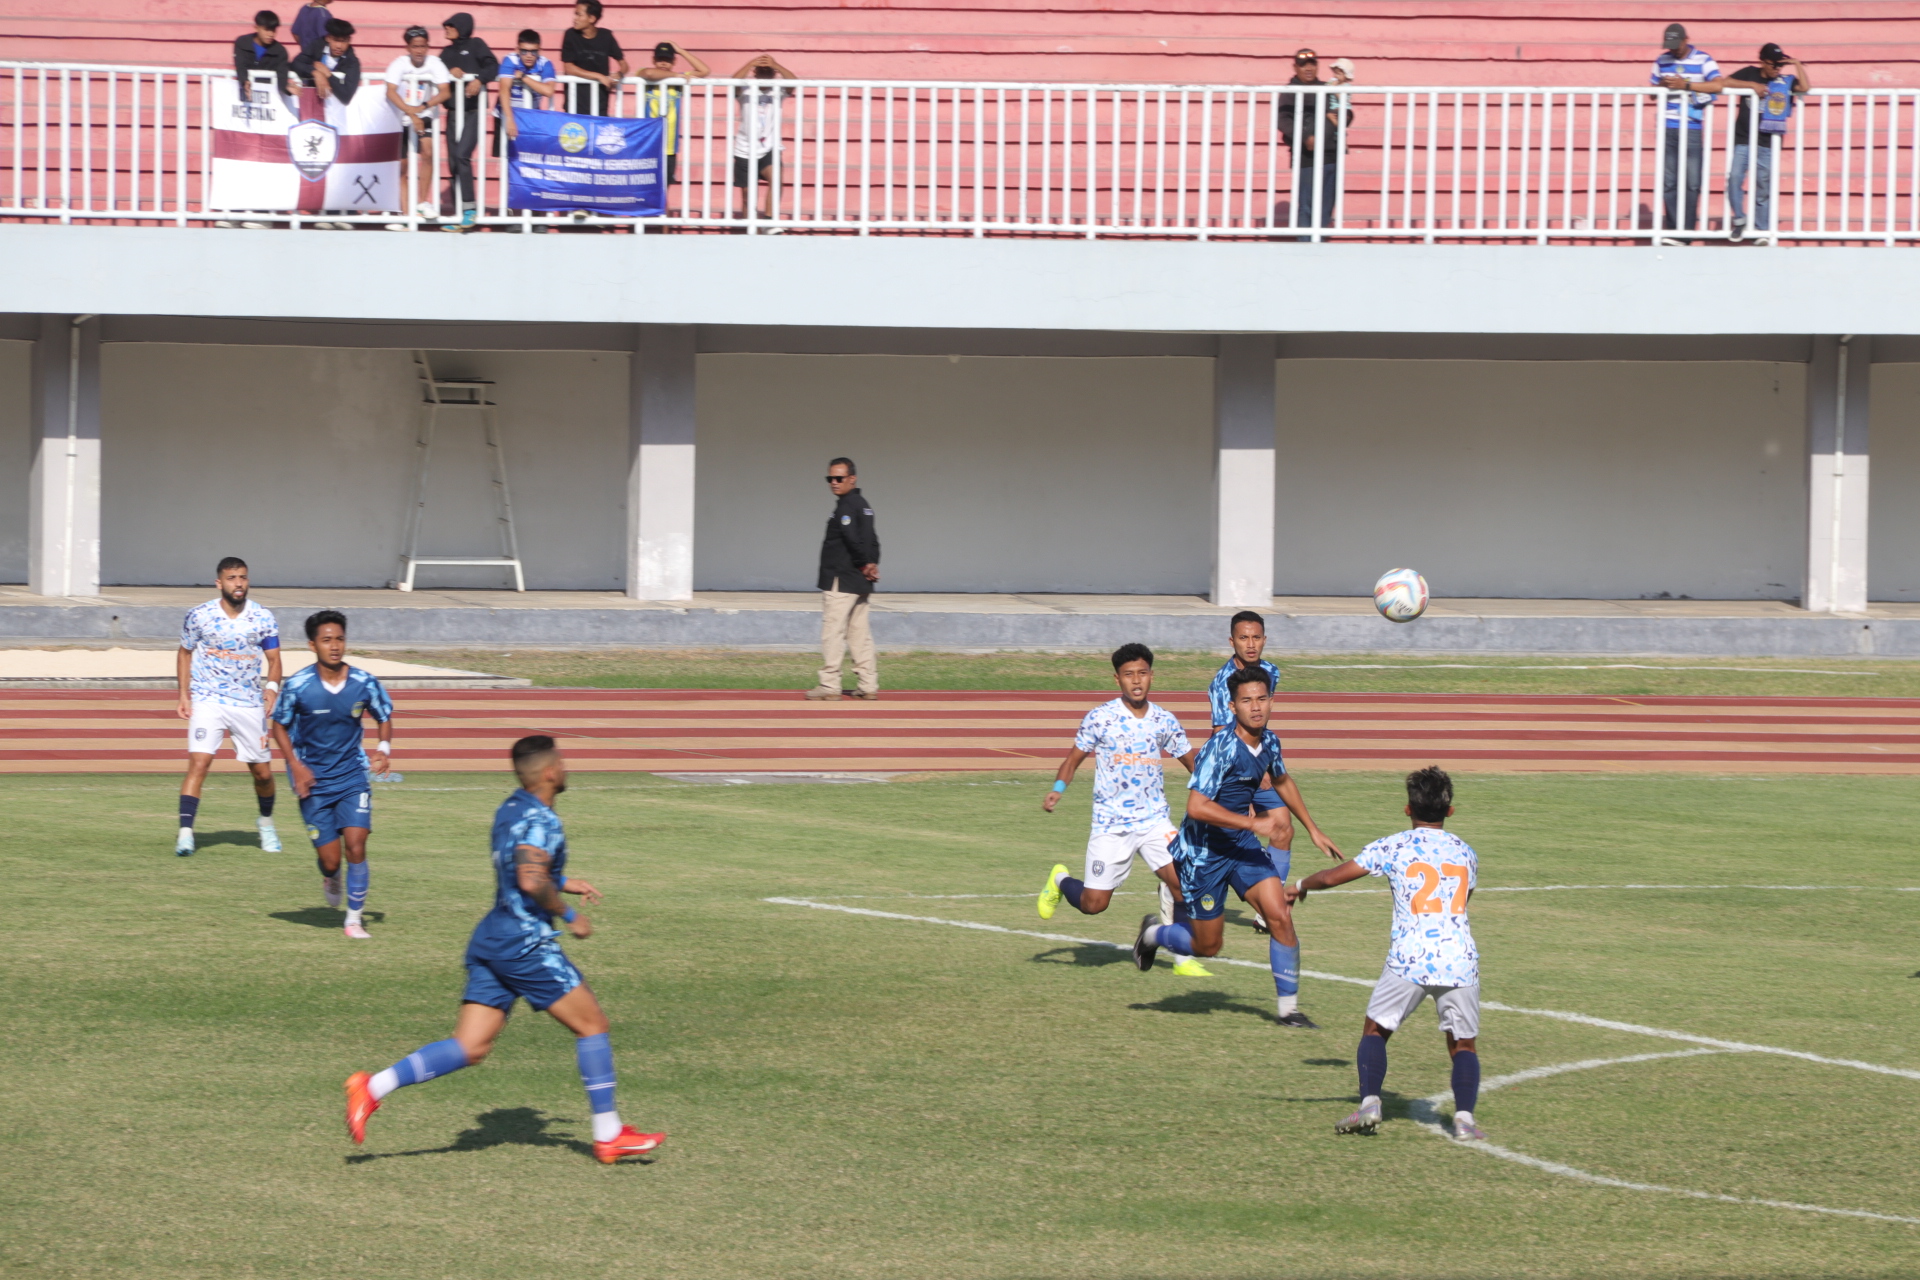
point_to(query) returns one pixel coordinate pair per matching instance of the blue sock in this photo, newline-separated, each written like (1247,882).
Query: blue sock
(1286,968)
(1174,937)
(428,1061)
(1466,1080)
(1372,1061)
(266,804)
(189,810)
(1070,889)
(358,873)
(595,1054)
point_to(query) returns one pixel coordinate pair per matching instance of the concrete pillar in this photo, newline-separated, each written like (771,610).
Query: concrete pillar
(63,540)
(1839,380)
(660,464)
(1243,479)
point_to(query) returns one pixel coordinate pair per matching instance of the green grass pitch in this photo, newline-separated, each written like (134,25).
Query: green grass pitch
(848,1096)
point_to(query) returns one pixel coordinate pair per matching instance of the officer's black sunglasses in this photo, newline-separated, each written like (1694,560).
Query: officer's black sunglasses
(836,479)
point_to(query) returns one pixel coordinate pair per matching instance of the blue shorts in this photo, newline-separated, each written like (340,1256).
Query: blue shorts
(540,977)
(329,813)
(1267,799)
(1206,874)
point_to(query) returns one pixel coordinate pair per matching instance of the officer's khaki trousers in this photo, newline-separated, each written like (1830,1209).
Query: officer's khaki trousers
(843,626)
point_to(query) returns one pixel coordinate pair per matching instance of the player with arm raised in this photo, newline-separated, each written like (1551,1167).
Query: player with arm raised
(512,956)
(1433,873)
(316,725)
(1247,632)
(222,643)
(1127,738)
(1218,845)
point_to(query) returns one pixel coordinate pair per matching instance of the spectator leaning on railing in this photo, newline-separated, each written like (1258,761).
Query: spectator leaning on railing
(473,67)
(331,68)
(588,53)
(1311,124)
(417,83)
(1776,82)
(528,82)
(1681,66)
(261,50)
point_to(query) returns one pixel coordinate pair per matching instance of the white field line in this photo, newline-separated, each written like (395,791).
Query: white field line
(1425,1113)
(1632,1028)
(1344,892)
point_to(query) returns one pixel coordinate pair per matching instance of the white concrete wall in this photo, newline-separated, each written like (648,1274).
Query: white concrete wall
(987,473)
(1543,479)
(1893,532)
(16,457)
(301,460)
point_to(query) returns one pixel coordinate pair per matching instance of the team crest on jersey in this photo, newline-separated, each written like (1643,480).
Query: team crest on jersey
(313,834)
(1206,902)
(359,709)
(198,734)
(1099,868)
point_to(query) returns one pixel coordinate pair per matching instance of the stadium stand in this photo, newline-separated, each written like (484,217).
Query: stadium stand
(1866,44)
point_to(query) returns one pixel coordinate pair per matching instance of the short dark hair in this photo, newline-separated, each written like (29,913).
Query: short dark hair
(1248,675)
(267,18)
(228,562)
(322,618)
(339,28)
(1429,794)
(528,34)
(844,462)
(415,33)
(663,52)
(531,752)
(1131,653)
(1246,615)
(591,6)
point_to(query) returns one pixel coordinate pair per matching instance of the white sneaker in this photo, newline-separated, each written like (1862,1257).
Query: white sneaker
(426,212)
(331,887)
(255,226)
(398,226)
(225,224)
(183,846)
(269,838)
(356,931)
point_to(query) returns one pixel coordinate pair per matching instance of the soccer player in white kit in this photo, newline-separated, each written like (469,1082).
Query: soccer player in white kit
(1127,738)
(1432,873)
(222,645)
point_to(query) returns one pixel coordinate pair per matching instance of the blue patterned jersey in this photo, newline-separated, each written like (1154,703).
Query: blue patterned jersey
(1217,691)
(1129,789)
(324,724)
(517,924)
(1228,772)
(228,653)
(1431,872)
(1696,66)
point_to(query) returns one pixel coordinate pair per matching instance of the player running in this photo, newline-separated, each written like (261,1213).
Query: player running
(1218,847)
(1126,738)
(222,643)
(1247,631)
(316,725)
(512,955)
(1433,873)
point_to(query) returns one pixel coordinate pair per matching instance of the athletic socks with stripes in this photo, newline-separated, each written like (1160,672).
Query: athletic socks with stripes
(423,1064)
(595,1055)
(358,874)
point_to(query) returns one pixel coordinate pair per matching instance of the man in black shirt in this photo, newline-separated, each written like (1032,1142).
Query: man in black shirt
(849,569)
(591,54)
(329,63)
(261,50)
(1778,83)
(472,66)
(1311,123)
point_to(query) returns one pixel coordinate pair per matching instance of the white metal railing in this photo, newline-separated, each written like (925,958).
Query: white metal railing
(96,143)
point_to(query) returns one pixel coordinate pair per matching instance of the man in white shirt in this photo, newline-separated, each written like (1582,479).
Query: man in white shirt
(756,132)
(417,83)
(222,643)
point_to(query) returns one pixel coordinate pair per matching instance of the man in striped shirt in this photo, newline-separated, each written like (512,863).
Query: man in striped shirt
(1681,66)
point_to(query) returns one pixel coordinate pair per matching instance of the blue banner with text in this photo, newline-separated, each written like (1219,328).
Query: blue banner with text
(593,164)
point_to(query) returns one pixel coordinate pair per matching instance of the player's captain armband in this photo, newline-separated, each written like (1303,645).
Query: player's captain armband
(271,642)
(1058,785)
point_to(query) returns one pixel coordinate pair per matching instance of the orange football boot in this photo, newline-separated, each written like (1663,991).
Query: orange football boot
(630,1142)
(360,1105)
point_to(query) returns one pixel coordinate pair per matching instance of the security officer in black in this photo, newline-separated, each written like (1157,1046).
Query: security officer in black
(849,570)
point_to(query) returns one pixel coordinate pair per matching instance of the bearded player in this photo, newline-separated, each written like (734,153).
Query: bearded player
(1247,632)
(222,644)
(1127,738)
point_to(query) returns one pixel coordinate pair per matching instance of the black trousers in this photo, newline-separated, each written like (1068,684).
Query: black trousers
(462,139)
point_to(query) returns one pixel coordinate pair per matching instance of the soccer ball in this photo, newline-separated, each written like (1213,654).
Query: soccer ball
(1400,595)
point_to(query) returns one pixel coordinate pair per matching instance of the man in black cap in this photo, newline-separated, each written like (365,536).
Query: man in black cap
(1311,123)
(1776,82)
(849,569)
(1681,66)
(472,65)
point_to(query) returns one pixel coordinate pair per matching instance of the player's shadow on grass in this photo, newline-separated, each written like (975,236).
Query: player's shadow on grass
(508,1126)
(1090,956)
(204,840)
(324,917)
(1205,1002)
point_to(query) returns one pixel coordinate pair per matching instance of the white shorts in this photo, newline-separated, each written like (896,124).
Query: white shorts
(1394,999)
(212,721)
(1110,853)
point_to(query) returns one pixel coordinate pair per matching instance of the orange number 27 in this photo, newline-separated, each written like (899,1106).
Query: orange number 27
(1427,900)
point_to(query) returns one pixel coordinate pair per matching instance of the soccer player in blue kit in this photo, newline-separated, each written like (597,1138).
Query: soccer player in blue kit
(1218,847)
(1247,632)
(512,956)
(316,724)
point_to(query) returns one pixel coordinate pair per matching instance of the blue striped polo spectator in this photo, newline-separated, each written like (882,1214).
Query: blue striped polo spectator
(1682,66)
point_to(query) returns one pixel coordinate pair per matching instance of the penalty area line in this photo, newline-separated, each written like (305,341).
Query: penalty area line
(1558,1015)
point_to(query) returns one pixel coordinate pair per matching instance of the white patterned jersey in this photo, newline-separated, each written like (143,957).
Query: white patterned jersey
(228,652)
(1128,787)
(1431,871)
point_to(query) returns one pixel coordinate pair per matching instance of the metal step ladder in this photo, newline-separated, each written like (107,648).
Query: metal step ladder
(463,395)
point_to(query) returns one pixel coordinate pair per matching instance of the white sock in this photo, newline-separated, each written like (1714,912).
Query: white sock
(383,1083)
(186,833)
(265,822)
(1463,1117)
(1288,1004)
(1374,1101)
(606,1126)
(353,917)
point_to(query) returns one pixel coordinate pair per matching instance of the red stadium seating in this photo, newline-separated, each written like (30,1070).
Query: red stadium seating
(1865,44)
